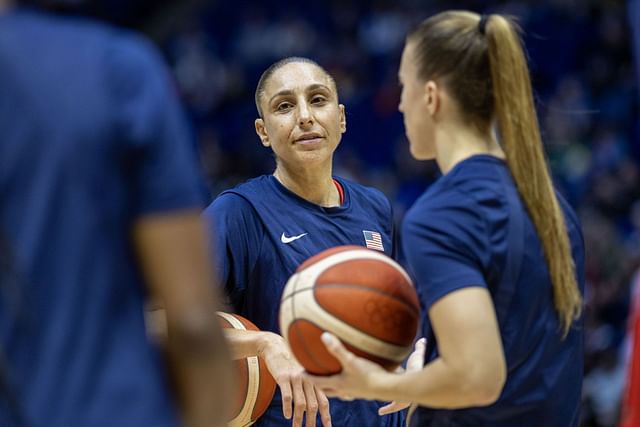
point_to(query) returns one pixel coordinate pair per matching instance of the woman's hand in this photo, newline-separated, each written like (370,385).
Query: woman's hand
(415,362)
(296,390)
(353,382)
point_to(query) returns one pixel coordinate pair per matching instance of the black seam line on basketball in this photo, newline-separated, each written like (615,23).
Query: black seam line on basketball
(346,342)
(351,326)
(293,305)
(298,334)
(304,341)
(342,285)
(341,320)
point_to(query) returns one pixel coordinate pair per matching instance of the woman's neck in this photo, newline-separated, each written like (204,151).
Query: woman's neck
(315,186)
(455,143)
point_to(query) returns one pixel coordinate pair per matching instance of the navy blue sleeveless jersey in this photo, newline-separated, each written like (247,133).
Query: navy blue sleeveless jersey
(456,236)
(92,140)
(262,232)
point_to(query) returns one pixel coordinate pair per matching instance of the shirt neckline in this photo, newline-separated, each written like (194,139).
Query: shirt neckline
(345,196)
(477,157)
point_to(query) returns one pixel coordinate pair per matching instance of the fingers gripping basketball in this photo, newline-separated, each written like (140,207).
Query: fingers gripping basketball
(362,296)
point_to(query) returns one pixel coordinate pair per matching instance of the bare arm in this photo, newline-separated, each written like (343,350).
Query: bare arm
(470,369)
(174,258)
(248,343)
(298,394)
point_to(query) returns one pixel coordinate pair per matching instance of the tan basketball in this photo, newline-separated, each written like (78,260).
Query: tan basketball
(255,384)
(360,295)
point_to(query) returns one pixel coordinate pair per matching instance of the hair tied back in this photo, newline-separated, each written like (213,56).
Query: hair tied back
(482,25)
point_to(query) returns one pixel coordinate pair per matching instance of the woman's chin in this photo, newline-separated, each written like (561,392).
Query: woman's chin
(421,154)
(312,158)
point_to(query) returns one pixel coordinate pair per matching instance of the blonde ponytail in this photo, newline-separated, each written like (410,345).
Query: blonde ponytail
(521,141)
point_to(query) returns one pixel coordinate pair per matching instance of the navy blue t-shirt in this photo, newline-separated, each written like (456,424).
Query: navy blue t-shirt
(262,232)
(456,236)
(92,140)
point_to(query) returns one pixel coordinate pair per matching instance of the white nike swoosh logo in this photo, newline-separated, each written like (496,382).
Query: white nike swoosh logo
(285,239)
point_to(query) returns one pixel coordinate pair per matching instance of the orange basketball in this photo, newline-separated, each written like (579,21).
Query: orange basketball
(255,384)
(360,295)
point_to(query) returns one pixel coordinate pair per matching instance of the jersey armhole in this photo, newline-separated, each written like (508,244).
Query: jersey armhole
(262,233)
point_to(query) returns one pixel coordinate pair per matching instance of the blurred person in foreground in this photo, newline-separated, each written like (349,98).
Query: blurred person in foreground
(99,204)
(496,254)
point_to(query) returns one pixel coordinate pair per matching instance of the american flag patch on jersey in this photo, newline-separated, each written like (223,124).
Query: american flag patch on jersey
(373,239)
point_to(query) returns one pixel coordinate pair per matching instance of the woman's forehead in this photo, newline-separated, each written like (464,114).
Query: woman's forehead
(297,76)
(407,59)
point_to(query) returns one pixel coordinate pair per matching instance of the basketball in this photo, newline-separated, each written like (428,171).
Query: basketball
(361,296)
(255,384)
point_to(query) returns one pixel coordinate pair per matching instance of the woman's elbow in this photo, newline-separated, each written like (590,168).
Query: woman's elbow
(492,389)
(486,384)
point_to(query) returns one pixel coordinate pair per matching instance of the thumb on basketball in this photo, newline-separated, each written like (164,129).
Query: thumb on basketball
(416,359)
(336,348)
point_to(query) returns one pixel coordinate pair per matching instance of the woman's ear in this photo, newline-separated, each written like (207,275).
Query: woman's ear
(432,97)
(262,132)
(343,119)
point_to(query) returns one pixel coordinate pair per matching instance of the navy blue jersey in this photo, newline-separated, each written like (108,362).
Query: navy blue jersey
(92,139)
(456,236)
(263,232)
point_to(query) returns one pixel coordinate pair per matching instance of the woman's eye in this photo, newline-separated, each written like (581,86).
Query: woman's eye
(283,106)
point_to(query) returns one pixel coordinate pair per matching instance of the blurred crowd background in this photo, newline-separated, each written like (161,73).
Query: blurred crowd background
(584,76)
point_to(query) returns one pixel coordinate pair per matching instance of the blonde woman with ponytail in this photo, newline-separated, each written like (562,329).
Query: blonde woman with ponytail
(497,255)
